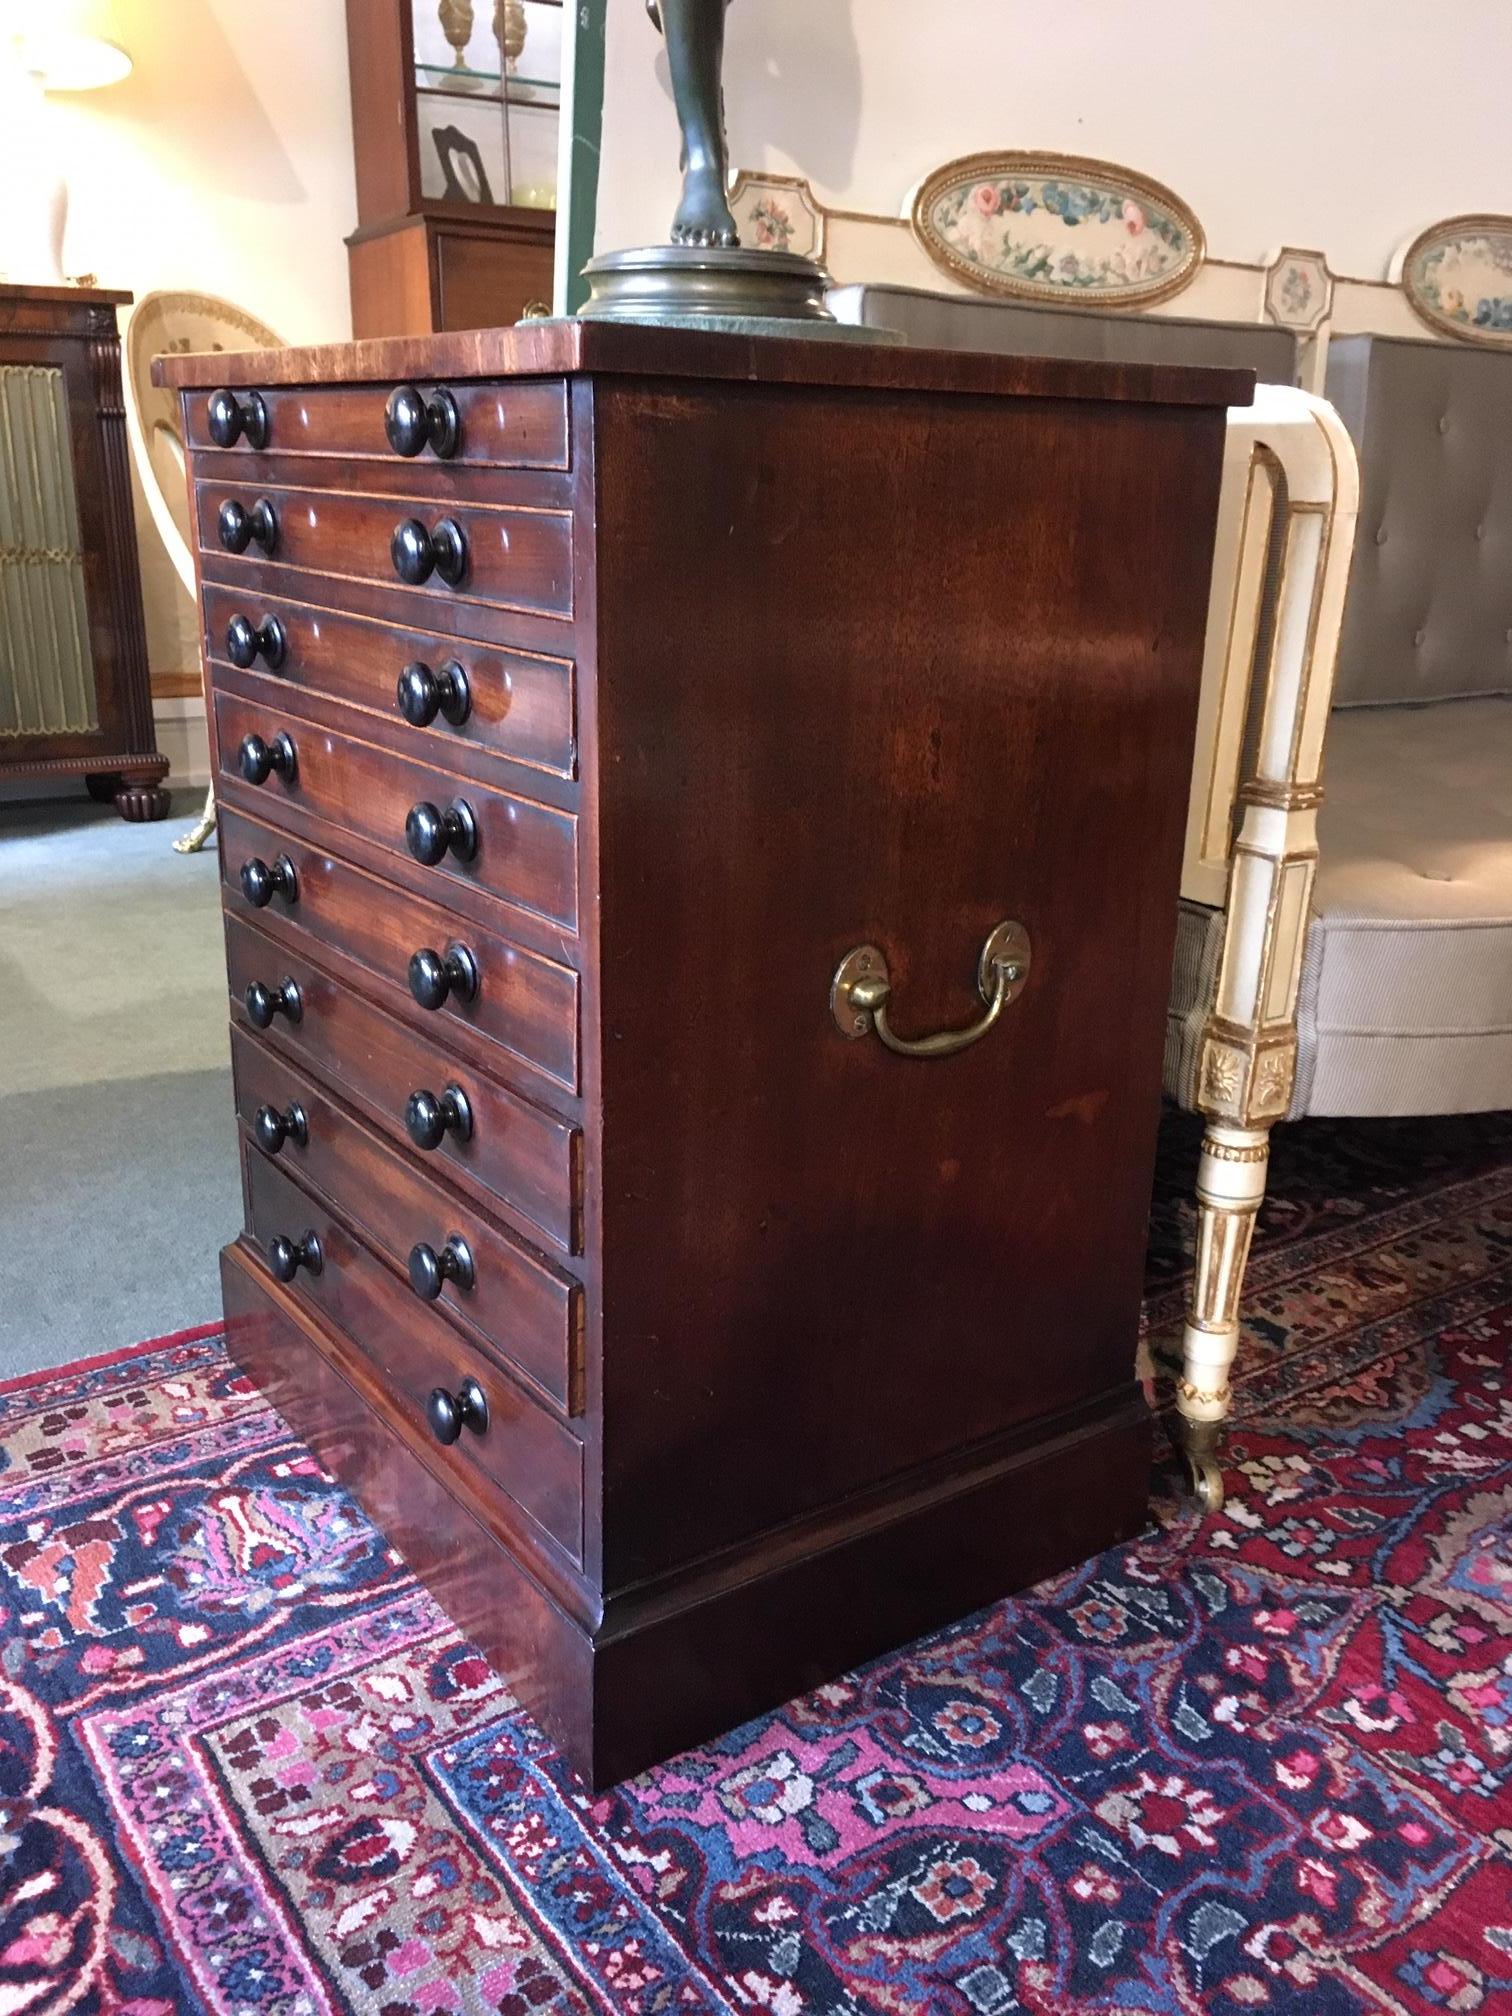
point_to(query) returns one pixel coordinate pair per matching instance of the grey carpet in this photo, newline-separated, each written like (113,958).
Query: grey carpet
(118,1179)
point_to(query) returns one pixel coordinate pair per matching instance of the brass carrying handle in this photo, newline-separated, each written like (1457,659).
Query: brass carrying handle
(862,989)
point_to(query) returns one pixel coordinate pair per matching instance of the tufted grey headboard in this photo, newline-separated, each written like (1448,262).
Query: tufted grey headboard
(956,322)
(1429,615)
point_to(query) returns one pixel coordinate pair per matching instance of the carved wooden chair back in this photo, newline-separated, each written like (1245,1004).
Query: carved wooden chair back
(166,323)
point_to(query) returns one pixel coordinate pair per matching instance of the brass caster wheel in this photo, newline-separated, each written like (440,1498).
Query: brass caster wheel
(1206,1475)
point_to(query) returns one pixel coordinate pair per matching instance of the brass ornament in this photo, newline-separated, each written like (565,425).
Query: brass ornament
(1226,1151)
(1200,1442)
(510,28)
(1219,1396)
(456,18)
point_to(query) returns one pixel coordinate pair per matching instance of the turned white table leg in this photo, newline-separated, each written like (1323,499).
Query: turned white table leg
(1230,1186)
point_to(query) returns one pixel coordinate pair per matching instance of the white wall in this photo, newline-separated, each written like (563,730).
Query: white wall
(222,165)
(224,162)
(1342,124)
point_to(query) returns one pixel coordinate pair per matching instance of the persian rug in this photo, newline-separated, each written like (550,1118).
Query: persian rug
(1260,1763)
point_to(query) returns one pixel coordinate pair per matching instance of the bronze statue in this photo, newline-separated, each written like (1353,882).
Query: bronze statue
(695,53)
(706,279)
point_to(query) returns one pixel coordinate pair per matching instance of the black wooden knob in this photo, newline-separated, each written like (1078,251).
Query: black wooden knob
(259,759)
(247,641)
(445,423)
(424,694)
(434,976)
(449,1413)
(231,418)
(413,422)
(273,1128)
(450,543)
(235,526)
(240,528)
(413,554)
(428,1120)
(417,554)
(287,1256)
(431,834)
(263,1003)
(260,883)
(405,421)
(429,1271)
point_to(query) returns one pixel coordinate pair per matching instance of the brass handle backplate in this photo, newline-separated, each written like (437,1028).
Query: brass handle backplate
(862,990)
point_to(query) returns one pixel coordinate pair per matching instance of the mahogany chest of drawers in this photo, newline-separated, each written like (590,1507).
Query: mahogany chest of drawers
(629,743)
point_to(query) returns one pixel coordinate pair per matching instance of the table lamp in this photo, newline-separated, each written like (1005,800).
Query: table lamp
(33,61)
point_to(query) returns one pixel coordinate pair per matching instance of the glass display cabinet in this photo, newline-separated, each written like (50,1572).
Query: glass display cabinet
(455,110)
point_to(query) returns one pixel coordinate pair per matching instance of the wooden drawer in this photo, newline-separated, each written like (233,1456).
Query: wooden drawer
(516,557)
(516,1304)
(518,425)
(526,1003)
(523,1455)
(518,1155)
(525,853)
(520,704)
(514,1593)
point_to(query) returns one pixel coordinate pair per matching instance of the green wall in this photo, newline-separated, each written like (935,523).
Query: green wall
(575,224)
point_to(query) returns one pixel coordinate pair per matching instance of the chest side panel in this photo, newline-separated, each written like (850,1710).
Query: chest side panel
(889,670)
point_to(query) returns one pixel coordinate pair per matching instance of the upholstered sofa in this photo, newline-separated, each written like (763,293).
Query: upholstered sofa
(1020,328)
(1407,984)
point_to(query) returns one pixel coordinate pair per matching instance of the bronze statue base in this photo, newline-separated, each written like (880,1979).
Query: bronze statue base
(711,287)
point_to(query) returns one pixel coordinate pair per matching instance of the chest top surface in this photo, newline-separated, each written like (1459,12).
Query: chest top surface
(29,313)
(568,347)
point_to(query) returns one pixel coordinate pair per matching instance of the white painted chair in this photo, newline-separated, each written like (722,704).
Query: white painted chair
(167,324)
(1405,1002)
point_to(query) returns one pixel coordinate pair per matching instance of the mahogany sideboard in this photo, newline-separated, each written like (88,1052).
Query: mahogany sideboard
(75,699)
(629,743)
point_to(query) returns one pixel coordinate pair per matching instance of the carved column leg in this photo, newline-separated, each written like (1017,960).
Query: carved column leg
(1230,1186)
(142,795)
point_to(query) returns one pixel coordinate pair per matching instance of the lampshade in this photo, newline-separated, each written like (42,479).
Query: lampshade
(62,59)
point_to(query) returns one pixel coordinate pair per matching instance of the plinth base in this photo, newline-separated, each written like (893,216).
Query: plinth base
(743,292)
(680,1660)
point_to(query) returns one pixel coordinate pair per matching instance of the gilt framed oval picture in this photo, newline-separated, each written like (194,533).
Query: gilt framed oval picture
(1457,276)
(1057,227)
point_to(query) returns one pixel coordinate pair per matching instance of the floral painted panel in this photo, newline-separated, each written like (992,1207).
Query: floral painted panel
(1298,289)
(1054,227)
(1458,278)
(776,213)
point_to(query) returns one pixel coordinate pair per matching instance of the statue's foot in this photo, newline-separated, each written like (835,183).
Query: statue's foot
(703,216)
